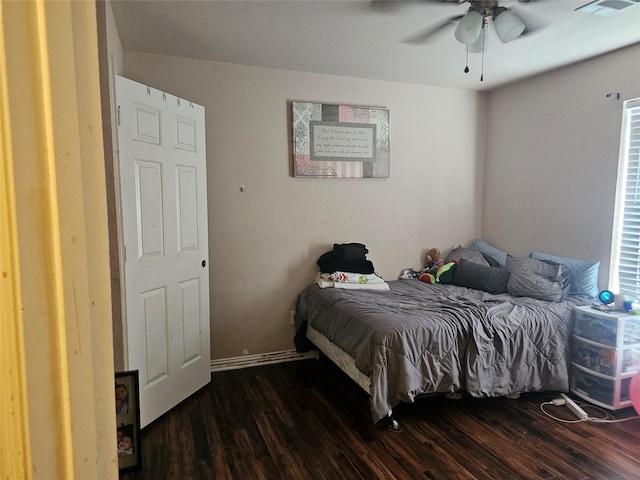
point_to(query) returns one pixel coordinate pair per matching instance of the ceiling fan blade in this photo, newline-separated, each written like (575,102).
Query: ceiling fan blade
(386,5)
(532,23)
(422,36)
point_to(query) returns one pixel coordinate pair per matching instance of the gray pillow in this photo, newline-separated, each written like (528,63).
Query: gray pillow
(481,277)
(468,254)
(541,279)
(584,273)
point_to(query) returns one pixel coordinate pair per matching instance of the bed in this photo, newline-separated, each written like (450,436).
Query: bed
(419,338)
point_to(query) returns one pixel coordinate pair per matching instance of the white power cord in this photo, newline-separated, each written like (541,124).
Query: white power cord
(605,418)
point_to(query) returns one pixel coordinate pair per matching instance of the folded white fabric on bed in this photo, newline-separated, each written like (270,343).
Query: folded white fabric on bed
(325,280)
(362,286)
(351,277)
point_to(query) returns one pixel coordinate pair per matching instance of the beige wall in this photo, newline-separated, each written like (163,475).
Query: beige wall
(552,159)
(264,242)
(114,45)
(552,148)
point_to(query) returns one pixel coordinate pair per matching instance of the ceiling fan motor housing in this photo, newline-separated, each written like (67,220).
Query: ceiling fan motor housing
(508,25)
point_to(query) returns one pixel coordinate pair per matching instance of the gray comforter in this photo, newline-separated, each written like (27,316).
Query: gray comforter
(421,338)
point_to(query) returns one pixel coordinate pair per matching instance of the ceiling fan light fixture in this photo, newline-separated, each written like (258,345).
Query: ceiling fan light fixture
(482,44)
(469,28)
(508,24)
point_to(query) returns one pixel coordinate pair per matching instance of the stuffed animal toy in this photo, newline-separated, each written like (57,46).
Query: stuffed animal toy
(433,260)
(444,274)
(435,269)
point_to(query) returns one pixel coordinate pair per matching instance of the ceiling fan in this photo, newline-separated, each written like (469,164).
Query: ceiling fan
(472,26)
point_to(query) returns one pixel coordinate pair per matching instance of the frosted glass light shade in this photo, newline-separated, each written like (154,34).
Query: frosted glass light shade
(508,26)
(469,28)
(482,44)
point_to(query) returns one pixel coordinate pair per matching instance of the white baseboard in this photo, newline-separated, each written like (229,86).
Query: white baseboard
(245,361)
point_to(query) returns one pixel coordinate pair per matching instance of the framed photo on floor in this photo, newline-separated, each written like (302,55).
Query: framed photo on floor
(128,421)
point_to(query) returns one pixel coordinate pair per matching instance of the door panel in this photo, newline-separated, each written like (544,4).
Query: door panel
(164,210)
(190,320)
(186,187)
(154,319)
(149,221)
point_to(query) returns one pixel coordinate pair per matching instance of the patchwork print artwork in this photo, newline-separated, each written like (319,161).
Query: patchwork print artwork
(340,141)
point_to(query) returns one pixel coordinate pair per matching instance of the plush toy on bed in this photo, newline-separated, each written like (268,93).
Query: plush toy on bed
(436,270)
(433,260)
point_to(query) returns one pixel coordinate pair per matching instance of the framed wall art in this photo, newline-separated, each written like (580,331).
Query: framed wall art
(340,141)
(128,421)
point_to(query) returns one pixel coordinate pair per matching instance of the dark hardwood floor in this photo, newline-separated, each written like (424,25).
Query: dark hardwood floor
(307,420)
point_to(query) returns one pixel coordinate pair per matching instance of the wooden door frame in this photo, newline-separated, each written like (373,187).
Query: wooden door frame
(59,355)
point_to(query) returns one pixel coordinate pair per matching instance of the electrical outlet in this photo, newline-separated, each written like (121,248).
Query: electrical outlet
(292,317)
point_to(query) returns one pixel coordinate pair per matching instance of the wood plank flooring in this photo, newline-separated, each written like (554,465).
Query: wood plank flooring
(307,420)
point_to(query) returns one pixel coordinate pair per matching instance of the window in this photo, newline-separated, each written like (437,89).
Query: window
(625,277)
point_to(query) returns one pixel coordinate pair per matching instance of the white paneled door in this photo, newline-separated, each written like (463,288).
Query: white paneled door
(161,141)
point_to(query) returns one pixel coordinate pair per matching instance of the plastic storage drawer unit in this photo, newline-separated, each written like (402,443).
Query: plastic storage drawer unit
(605,355)
(615,329)
(600,390)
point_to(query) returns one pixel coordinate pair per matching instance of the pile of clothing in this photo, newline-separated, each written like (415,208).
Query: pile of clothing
(346,266)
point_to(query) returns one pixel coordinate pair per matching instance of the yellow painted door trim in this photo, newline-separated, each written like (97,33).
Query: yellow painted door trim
(56,367)
(15,446)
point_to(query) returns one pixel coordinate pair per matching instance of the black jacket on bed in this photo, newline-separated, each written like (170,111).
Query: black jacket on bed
(346,257)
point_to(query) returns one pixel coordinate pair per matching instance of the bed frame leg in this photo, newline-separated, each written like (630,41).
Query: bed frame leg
(392,423)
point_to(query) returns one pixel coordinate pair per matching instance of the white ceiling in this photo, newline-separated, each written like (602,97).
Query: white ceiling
(356,39)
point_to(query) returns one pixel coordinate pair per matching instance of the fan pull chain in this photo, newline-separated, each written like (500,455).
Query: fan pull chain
(482,64)
(466,62)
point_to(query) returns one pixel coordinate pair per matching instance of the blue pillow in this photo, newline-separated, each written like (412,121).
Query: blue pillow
(584,273)
(499,255)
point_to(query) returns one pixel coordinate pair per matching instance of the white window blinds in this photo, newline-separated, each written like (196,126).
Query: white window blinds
(627,247)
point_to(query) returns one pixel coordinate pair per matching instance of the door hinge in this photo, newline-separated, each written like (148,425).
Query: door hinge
(119,124)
